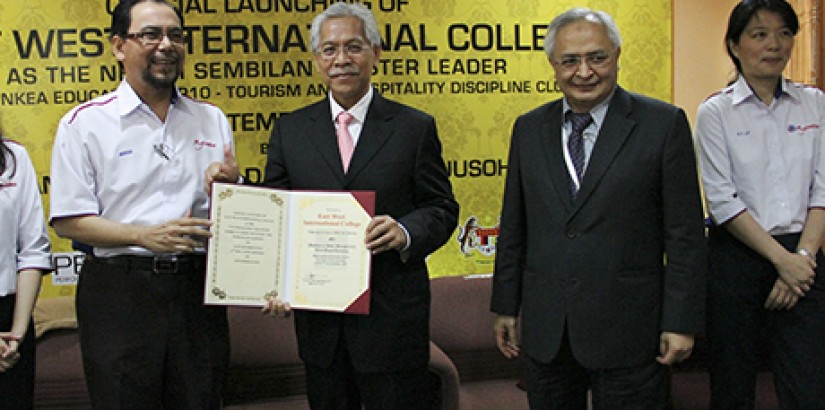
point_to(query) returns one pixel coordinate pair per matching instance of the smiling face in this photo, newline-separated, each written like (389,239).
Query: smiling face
(345,59)
(588,83)
(151,67)
(764,48)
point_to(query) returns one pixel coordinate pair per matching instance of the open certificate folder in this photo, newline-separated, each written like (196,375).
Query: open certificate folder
(304,247)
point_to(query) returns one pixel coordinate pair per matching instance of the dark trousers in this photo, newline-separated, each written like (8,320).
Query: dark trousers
(17,383)
(147,340)
(341,387)
(741,331)
(563,384)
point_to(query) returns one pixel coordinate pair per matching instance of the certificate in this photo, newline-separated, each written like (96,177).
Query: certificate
(305,247)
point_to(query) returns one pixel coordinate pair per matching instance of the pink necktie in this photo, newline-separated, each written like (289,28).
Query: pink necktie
(345,145)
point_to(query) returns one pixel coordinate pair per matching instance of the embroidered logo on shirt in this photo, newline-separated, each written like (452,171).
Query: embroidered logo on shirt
(125,152)
(743,133)
(802,128)
(199,144)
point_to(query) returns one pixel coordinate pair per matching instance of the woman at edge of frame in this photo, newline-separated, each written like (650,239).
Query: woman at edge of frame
(761,152)
(25,255)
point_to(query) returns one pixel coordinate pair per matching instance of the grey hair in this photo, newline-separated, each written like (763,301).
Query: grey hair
(577,14)
(342,9)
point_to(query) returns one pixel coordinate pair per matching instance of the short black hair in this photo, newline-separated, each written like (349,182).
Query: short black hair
(122,16)
(745,10)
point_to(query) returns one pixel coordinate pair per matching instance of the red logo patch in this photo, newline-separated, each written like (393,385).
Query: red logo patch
(199,144)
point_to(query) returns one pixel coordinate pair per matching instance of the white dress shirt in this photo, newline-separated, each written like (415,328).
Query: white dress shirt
(113,157)
(766,159)
(589,135)
(358,112)
(25,243)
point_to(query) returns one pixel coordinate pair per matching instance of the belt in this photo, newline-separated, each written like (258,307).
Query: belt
(165,264)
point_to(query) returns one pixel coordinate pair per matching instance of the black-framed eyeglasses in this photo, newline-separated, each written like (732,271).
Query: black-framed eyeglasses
(153,36)
(597,59)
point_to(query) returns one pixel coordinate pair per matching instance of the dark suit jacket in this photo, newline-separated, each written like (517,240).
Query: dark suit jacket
(398,156)
(597,264)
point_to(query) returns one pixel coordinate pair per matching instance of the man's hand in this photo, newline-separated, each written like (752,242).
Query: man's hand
(226,171)
(9,356)
(384,234)
(674,348)
(781,297)
(181,235)
(276,308)
(506,336)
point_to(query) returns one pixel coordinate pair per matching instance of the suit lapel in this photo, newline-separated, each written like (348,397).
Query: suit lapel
(376,132)
(554,152)
(612,135)
(321,132)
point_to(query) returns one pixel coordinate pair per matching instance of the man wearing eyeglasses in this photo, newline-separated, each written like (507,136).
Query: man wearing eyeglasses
(127,179)
(377,360)
(601,249)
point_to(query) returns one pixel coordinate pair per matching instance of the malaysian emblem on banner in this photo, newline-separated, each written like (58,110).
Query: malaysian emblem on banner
(474,237)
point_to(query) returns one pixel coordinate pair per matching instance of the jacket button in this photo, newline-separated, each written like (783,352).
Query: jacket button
(571,235)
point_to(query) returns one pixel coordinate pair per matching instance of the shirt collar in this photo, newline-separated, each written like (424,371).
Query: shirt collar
(791,89)
(358,111)
(742,90)
(129,100)
(598,112)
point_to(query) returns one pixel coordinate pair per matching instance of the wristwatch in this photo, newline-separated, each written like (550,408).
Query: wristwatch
(804,252)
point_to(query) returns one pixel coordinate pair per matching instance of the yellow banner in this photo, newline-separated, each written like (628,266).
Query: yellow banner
(474,65)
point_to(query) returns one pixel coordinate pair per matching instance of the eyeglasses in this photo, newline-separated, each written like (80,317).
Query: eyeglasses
(329,51)
(150,37)
(597,59)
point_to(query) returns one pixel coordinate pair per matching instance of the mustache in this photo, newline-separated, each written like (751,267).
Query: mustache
(343,71)
(584,84)
(171,57)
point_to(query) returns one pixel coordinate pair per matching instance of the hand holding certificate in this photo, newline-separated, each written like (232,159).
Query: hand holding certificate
(306,248)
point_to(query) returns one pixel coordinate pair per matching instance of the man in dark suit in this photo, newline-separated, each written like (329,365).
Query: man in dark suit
(601,247)
(379,359)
